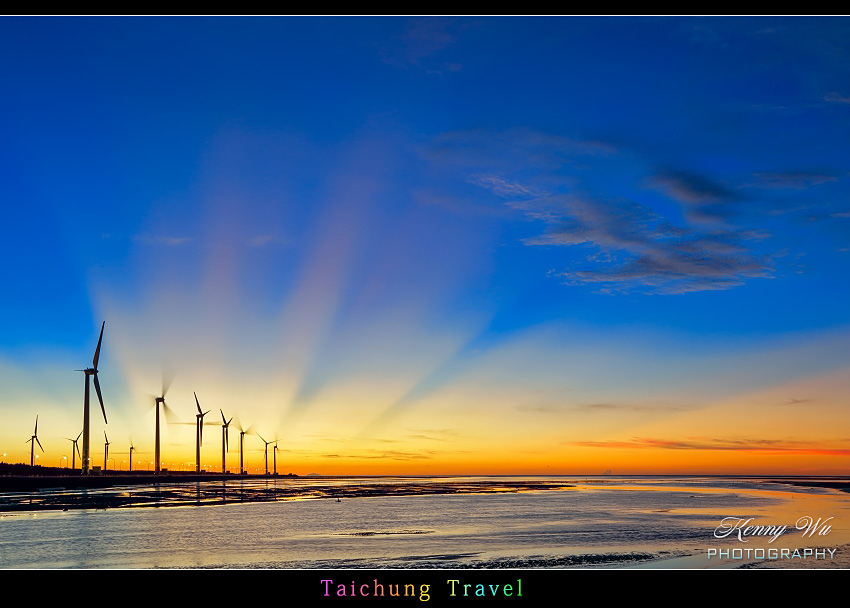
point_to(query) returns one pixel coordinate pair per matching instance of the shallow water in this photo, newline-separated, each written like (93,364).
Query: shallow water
(647,517)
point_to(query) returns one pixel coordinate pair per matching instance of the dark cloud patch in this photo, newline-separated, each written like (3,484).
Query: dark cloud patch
(702,198)
(794,401)
(618,244)
(635,249)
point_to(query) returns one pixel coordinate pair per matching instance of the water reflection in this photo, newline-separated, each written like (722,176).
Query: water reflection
(404,523)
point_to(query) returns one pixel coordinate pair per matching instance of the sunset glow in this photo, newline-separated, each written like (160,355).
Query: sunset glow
(431,246)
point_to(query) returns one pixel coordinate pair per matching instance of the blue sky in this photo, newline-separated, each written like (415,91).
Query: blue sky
(398,207)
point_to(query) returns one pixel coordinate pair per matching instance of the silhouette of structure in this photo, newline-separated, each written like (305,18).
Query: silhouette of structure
(242,433)
(90,373)
(199,433)
(75,448)
(267,451)
(105,450)
(224,426)
(33,440)
(157,401)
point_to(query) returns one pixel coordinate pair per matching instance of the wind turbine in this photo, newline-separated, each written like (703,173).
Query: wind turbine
(77,448)
(105,450)
(274,455)
(166,409)
(199,433)
(242,433)
(131,453)
(91,372)
(33,440)
(267,451)
(224,426)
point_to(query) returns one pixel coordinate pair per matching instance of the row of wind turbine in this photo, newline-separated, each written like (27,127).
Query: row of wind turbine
(92,377)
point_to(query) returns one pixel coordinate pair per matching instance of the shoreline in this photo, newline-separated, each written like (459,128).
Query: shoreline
(203,491)
(144,489)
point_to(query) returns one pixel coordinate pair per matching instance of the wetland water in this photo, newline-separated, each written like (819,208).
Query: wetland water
(471,522)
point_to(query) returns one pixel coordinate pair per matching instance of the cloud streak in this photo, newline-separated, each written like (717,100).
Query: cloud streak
(621,244)
(736,445)
(702,198)
(633,248)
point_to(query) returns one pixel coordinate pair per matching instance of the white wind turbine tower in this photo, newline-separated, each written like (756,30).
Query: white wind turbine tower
(91,372)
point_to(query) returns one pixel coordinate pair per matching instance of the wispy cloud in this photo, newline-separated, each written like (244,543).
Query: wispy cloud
(834,97)
(162,239)
(263,240)
(503,187)
(702,198)
(743,445)
(625,245)
(396,455)
(636,249)
(602,408)
(796,180)
(422,42)
(794,401)
(631,407)
(435,434)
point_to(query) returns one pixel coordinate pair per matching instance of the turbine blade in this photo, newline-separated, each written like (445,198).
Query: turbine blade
(78,450)
(35,432)
(170,416)
(99,397)
(167,378)
(39,443)
(196,401)
(97,350)
(78,436)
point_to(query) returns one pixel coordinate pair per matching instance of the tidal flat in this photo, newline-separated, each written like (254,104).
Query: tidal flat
(553,522)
